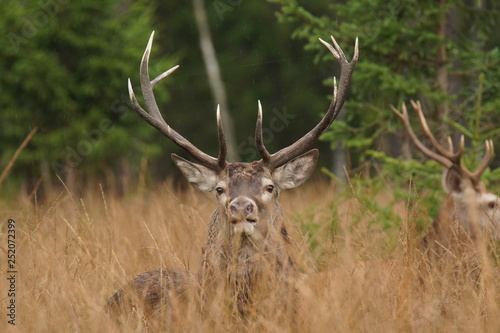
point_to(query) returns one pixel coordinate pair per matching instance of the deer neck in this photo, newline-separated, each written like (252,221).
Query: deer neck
(228,254)
(454,223)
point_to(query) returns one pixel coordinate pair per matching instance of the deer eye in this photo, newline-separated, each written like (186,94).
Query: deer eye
(219,190)
(492,205)
(270,188)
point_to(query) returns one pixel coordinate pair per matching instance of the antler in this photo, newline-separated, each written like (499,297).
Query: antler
(488,156)
(339,96)
(446,157)
(154,118)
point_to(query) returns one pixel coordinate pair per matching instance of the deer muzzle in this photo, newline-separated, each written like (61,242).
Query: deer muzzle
(243,215)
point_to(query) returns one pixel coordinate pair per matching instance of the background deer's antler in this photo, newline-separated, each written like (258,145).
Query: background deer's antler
(446,157)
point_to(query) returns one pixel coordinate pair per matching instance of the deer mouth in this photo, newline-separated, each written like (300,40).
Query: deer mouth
(246,227)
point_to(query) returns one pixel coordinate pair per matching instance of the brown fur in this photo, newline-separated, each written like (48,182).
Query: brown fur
(457,239)
(153,294)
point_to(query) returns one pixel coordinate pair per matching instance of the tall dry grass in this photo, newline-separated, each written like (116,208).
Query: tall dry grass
(74,252)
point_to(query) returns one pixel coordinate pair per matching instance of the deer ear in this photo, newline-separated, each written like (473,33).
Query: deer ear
(452,180)
(203,178)
(296,171)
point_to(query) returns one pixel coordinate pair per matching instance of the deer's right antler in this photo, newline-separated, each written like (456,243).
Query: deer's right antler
(446,157)
(154,117)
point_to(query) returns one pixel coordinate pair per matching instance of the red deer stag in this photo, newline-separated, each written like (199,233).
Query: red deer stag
(248,243)
(469,210)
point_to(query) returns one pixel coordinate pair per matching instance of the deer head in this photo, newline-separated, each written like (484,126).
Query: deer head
(468,201)
(247,192)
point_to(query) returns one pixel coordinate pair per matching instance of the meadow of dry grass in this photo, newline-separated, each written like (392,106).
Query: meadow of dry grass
(73,252)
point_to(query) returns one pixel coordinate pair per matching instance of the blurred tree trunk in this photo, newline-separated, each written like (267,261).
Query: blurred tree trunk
(450,85)
(405,146)
(455,83)
(214,77)
(46,176)
(339,156)
(69,181)
(442,76)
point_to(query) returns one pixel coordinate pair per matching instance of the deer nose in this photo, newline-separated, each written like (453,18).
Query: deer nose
(242,207)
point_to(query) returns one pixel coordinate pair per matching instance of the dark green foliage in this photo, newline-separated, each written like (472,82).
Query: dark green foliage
(65,67)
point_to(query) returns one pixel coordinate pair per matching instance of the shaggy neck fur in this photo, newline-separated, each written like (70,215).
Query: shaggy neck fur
(242,264)
(455,225)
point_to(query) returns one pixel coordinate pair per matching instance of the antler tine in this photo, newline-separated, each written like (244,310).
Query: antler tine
(154,118)
(427,152)
(449,154)
(339,96)
(146,86)
(450,145)
(259,141)
(476,175)
(345,76)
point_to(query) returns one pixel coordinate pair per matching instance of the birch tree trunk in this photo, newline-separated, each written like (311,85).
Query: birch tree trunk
(214,77)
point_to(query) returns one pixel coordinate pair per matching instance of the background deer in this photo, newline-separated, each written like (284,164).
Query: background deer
(469,210)
(248,243)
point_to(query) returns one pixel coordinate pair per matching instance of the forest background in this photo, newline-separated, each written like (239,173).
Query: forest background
(65,66)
